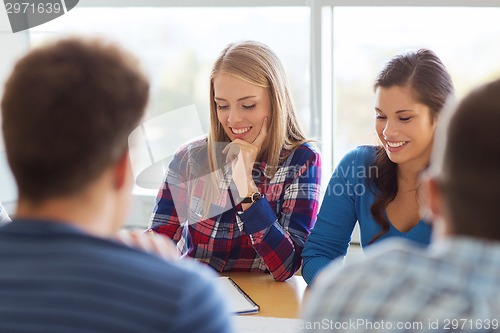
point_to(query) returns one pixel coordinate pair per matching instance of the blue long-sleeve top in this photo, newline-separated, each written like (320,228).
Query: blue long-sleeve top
(348,200)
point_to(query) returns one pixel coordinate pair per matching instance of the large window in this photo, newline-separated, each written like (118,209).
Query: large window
(331,50)
(365,38)
(178,45)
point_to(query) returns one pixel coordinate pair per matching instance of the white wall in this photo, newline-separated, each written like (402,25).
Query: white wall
(12,47)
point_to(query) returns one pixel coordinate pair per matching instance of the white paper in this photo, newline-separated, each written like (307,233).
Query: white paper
(254,324)
(237,301)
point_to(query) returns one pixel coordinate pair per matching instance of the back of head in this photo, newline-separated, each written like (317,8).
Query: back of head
(424,73)
(466,163)
(68,109)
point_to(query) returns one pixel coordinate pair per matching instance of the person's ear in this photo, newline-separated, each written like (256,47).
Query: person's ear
(434,207)
(434,197)
(122,171)
(430,198)
(438,209)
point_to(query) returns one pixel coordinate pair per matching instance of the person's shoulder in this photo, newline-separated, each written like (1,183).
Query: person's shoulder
(192,153)
(380,261)
(392,275)
(109,256)
(394,252)
(365,153)
(395,248)
(360,156)
(195,144)
(152,265)
(367,150)
(176,286)
(366,281)
(308,146)
(305,152)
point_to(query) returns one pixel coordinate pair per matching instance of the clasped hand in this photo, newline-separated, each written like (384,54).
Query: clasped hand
(150,242)
(242,156)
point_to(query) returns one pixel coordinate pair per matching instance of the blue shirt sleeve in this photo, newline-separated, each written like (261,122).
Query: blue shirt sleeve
(330,237)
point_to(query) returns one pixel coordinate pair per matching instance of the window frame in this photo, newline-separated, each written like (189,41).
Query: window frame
(322,88)
(322,104)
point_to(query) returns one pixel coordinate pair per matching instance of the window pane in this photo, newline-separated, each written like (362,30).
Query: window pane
(178,46)
(365,38)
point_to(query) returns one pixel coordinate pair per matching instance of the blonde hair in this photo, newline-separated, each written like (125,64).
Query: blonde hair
(257,64)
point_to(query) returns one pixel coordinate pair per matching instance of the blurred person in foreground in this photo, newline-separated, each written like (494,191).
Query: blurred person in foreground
(68,109)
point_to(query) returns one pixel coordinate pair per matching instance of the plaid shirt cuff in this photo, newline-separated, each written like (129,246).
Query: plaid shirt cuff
(258,216)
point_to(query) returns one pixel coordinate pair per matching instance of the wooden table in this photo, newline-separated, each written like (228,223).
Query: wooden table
(276,299)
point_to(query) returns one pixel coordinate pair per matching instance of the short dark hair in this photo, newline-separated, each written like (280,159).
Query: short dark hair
(68,109)
(468,167)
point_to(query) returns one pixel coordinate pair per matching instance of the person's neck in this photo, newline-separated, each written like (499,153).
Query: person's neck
(86,212)
(408,173)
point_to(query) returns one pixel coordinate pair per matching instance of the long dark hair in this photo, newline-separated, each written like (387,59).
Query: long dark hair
(431,85)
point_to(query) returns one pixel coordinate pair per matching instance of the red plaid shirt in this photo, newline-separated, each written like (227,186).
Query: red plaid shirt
(269,236)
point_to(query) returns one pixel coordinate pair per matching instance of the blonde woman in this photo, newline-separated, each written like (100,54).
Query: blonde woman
(245,197)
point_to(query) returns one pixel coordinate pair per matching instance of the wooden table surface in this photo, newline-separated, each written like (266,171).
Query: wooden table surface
(276,299)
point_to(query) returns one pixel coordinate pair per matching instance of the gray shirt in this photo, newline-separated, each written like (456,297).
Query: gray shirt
(399,287)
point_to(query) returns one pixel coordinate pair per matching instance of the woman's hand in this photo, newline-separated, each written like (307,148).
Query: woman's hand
(150,242)
(242,156)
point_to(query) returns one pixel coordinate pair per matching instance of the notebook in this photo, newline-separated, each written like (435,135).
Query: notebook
(239,302)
